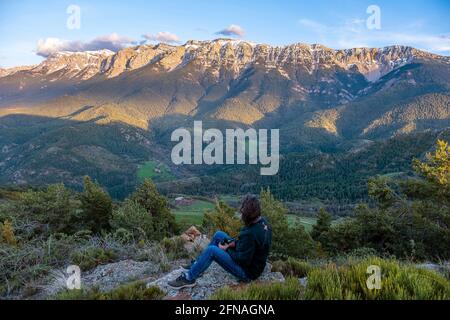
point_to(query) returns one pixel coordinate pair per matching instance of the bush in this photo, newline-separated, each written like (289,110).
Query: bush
(132,217)
(398,282)
(21,266)
(322,227)
(96,206)
(148,197)
(287,241)
(223,218)
(54,207)
(91,257)
(174,248)
(7,233)
(288,290)
(292,267)
(134,291)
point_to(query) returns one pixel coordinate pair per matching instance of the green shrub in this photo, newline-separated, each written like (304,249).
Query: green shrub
(55,207)
(222,218)
(7,233)
(148,197)
(89,258)
(174,248)
(96,206)
(402,282)
(287,240)
(134,291)
(322,225)
(134,218)
(292,267)
(288,290)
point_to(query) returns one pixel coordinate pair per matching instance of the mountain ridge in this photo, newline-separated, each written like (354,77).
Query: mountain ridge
(320,98)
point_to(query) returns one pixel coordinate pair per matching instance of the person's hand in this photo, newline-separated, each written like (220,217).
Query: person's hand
(224,247)
(232,244)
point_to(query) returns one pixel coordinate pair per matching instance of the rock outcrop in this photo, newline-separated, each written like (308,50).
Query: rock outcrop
(213,279)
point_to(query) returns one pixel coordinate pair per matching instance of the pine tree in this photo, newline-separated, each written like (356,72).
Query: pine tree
(287,240)
(322,225)
(96,206)
(148,197)
(223,218)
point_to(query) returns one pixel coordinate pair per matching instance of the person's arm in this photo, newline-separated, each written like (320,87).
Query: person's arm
(244,250)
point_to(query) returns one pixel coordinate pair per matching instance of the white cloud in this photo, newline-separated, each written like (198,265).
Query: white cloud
(313,25)
(232,30)
(353,33)
(162,37)
(113,42)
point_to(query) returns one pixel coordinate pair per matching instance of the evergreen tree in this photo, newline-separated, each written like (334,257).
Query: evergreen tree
(148,197)
(96,206)
(322,225)
(223,218)
(287,240)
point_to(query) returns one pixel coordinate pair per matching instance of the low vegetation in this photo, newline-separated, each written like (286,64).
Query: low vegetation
(348,281)
(406,222)
(134,291)
(398,282)
(288,290)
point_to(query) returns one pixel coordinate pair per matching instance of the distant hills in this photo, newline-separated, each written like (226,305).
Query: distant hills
(106,113)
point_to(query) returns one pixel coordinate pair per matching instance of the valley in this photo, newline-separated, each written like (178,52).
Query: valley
(342,115)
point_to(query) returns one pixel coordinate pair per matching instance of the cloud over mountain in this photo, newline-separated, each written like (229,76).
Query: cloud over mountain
(164,36)
(232,30)
(113,42)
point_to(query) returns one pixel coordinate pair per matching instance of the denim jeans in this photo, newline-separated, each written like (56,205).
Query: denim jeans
(214,253)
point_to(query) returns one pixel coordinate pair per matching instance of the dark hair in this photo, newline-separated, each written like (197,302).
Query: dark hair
(250,209)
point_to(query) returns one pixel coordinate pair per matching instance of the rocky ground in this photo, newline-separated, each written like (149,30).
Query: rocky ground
(213,279)
(109,276)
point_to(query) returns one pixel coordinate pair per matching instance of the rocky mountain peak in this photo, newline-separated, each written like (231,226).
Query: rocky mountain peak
(227,55)
(81,65)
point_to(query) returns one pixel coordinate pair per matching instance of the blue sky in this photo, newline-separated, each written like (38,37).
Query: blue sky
(30,30)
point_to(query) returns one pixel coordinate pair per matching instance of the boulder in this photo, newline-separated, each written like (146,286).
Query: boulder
(194,240)
(104,277)
(213,279)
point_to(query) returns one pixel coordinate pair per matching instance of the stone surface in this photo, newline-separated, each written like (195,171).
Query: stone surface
(194,240)
(107,277)
(104,277)
(213,279)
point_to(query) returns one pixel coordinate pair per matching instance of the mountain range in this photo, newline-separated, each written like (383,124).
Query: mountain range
(106,113)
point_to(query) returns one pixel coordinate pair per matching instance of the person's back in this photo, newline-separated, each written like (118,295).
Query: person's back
(252,249)
(258,238)
(245,257)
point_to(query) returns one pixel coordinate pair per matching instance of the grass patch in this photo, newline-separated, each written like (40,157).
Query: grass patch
(292,267)
(192,214)
(306,222)
(398,282)
(134,291)
(89,258)
(154,170)
(288,290)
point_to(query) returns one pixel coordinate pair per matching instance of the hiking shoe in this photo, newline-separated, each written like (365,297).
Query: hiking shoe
(181,282)
(188,266)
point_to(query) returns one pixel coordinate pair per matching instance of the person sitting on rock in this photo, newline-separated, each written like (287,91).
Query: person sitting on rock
(244,258)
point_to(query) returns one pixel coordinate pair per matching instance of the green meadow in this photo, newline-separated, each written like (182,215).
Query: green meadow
(154,170)
(192,214)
